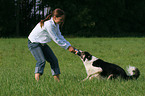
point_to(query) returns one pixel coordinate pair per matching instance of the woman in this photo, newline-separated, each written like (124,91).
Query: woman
(45,31)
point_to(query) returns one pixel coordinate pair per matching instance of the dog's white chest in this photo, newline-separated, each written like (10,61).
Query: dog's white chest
(90,69)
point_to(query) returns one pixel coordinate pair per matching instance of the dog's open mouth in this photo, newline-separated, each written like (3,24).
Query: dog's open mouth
(82,55)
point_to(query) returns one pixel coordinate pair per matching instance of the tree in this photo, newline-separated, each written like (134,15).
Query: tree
(17,16)
(83,17)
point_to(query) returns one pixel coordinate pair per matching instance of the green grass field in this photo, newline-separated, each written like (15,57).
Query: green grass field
(17,68)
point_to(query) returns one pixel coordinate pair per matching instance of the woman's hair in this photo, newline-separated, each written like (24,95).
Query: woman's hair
(57,12)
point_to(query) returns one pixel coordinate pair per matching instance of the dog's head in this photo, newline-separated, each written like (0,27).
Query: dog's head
(85,55)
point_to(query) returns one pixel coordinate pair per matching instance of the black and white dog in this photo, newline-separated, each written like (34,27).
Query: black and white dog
(98,68)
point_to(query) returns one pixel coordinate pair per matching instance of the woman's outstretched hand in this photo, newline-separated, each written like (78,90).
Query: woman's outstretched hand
(74,50)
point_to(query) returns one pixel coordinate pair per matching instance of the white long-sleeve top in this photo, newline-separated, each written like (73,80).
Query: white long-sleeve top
(50,31)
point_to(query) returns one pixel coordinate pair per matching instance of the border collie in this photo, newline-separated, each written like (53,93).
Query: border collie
(96,67)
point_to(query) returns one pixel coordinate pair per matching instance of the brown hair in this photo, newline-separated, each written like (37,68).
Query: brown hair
(57,12)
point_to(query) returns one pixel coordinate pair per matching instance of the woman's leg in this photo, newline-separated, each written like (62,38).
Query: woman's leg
(37,52)
(51,58)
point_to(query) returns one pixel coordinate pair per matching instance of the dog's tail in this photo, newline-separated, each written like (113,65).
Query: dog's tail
(133,72)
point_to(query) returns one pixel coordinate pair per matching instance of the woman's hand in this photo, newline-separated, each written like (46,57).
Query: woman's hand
(71,49)
(74,50)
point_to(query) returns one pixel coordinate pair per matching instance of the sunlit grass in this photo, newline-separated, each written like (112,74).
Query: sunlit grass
(17,68)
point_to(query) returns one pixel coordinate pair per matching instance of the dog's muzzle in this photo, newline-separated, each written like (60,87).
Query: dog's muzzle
(82,55)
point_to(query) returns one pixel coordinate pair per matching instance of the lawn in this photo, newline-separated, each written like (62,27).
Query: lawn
(17,68)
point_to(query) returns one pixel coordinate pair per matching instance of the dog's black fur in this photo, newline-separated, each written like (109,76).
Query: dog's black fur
(109,68)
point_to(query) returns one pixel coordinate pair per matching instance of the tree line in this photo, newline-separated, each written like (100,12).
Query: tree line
(99,18)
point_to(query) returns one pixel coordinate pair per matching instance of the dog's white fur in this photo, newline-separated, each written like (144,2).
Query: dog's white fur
(90,69)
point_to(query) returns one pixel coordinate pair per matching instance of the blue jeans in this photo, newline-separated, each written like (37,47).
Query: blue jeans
(43,53)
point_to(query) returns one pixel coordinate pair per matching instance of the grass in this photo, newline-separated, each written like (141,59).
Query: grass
(17,68)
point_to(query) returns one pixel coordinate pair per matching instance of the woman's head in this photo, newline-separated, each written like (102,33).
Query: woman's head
(58,17)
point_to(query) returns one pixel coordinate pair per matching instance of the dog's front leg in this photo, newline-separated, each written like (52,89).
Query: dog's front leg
(91,77)
(86,78)
(94,76)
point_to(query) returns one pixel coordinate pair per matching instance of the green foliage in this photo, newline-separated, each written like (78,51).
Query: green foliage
(101,18)
(7,18)
(17,68)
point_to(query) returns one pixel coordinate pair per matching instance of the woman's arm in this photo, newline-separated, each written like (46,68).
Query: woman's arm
(52,33)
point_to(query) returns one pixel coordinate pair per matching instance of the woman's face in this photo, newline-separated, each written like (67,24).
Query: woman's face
(58,20)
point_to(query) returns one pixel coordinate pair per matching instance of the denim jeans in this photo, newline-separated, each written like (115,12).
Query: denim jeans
(43,53)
